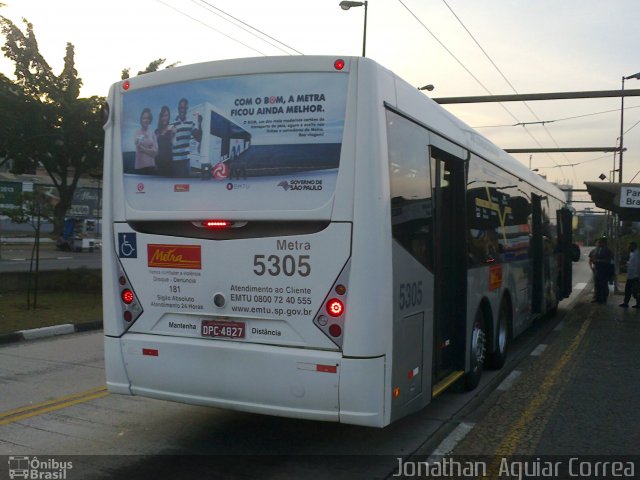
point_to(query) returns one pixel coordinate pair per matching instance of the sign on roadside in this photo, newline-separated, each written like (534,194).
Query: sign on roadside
(630,197)
(9,193)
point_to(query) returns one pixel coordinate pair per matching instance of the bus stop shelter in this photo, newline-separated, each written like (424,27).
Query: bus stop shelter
(623,199)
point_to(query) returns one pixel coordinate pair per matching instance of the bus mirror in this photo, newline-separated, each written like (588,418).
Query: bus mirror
(574,252)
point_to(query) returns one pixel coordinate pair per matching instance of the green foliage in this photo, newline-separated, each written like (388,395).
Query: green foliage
(32,206)
(46,123)
(152,67)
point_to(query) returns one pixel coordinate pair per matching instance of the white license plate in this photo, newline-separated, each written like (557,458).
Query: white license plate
(219,329)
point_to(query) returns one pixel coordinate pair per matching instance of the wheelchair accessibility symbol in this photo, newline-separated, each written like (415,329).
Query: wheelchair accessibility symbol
(127,247)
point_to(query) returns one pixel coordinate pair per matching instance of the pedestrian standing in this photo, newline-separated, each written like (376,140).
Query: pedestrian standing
(592,266)
(633,276)
(604,270)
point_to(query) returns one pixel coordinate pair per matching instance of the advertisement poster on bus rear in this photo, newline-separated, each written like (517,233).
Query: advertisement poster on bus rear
(251,142)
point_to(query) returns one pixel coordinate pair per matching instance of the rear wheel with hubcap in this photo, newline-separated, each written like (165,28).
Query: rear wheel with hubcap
(478,348)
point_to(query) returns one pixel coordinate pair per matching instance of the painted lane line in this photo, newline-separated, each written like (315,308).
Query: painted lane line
(559,327)
(448,445)
(52,405)
(538,350)
(508,382)
(511,441)
(580,286)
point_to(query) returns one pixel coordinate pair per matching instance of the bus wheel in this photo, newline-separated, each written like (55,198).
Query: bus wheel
(499,355)
(478,348)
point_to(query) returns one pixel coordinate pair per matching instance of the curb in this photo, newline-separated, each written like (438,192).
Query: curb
(45,332)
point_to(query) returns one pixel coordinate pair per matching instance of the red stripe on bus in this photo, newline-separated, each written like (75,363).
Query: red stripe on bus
(327,368)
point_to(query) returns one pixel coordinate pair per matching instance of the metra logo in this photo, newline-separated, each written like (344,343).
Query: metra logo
(175,256)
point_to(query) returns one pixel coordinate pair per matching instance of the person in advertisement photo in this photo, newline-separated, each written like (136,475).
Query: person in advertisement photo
(185,130)
(164,135)
(146,145)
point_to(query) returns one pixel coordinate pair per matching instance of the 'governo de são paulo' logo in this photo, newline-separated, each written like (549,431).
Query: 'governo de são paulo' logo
(300,185)
(35,468)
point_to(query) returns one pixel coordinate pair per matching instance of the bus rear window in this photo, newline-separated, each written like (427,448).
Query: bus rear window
(251,142)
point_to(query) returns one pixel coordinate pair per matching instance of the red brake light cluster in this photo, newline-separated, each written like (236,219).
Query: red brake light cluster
(131,308)
(216,224)
(330,319)
(335,307)
(127,296)
(338,64)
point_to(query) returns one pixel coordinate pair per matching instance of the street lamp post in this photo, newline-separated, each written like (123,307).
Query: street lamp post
(616,218)
(346,5)
(637,77)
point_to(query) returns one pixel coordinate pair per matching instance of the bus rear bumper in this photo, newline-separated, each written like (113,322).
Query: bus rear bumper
(254,378)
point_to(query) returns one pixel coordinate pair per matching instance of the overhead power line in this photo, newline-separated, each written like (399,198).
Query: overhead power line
(617,110)
(506,80)
(464,67)
(213,7)
(211,28)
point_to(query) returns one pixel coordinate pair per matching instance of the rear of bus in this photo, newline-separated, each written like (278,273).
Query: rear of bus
(229,283)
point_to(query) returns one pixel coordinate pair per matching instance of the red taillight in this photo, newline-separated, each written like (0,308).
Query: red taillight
(127,296)
(126,84)
(335,307)
(214,224)
(127,315)
(338,64)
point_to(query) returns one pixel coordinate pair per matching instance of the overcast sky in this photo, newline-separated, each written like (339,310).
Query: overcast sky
(538,45)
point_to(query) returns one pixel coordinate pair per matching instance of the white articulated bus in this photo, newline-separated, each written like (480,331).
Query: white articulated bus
(358,252)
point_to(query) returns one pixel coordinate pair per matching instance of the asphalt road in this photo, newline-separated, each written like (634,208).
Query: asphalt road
(53,404)
(16,257)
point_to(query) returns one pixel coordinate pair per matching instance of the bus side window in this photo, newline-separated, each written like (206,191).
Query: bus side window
(410,184)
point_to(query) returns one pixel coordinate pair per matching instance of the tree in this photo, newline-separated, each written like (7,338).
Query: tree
(152,67)
(32,208)
(16,115)
(62,132)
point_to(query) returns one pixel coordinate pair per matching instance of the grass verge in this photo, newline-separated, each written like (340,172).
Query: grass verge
(54,308)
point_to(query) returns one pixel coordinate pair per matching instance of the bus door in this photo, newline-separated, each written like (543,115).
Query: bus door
(450,291)
(565,226)
(537,254)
